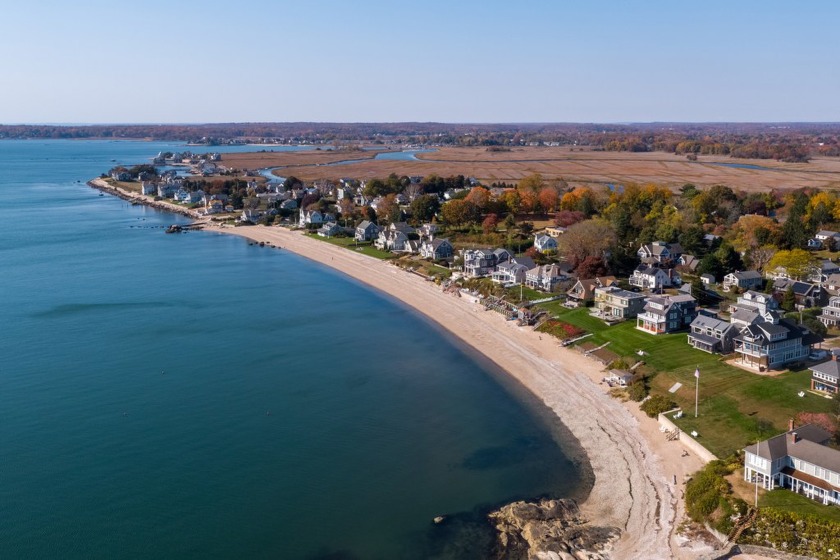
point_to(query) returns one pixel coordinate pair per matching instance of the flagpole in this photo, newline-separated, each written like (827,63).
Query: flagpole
(696,389)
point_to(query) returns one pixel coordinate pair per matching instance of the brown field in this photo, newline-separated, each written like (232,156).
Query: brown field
(574,165)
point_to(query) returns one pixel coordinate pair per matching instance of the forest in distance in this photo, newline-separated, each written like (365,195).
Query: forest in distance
(787,142)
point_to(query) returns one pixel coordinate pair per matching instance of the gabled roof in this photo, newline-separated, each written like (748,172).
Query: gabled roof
(706,322)
(809,447)
(830,368)
(746,275)
(799,288)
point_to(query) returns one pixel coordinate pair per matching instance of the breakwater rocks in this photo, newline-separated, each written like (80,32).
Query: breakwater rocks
(549,530)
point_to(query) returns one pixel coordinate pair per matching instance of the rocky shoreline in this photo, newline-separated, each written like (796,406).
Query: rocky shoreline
(549,530)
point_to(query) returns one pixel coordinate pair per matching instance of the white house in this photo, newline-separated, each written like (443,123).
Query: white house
(544,243)
(654,278)
(746,280)
(436,249)
(798,460)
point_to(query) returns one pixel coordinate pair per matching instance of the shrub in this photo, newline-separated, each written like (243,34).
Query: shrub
(706,491)
(656,405)
(637,391)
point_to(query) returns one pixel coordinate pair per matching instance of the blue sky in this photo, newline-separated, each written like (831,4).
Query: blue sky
(450,61)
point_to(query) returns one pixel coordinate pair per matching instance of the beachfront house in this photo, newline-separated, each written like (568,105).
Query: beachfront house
(366,231)
(310,217)
(513,271)
(614,304)
(482,262)
(545,277)
(583,291)
(394,241)
(711,334)
(798,460)
(667,314)
(773,344)
(436,249)
(746,280)
(250,216)
(329,229)
(825,377)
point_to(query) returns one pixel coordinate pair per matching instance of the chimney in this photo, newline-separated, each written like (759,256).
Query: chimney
(790,425)
(793,437)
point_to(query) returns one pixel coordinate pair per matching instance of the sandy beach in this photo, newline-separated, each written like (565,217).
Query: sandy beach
(635,468)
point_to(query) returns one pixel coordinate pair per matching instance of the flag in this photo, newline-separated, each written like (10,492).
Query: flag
(697,373)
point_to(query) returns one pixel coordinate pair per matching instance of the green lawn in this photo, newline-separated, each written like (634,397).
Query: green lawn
(733,403)
(786,500)
(366,248)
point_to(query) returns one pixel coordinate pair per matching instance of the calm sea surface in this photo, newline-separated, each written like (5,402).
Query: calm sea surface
(191,396)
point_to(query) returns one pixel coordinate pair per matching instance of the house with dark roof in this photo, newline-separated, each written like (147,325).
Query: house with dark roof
(806,295)
(667,314)
(436,249)
(482,262)
(688,262)
(773,344)
(660,252)
(654,278)
(744,280)
(366,231)
(711,334)
(798,460)
(825,377)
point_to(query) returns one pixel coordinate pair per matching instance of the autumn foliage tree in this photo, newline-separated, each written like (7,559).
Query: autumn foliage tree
(590,238)
(459,212)
(490,222)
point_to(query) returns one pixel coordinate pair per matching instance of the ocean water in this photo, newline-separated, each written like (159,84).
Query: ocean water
(193,396)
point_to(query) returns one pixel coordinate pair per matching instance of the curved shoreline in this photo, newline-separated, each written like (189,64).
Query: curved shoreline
(632,464)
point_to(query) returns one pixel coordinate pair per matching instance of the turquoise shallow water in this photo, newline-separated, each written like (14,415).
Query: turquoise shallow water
(191,396)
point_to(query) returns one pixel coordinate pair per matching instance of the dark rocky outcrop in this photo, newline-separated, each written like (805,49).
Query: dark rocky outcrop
(549,530)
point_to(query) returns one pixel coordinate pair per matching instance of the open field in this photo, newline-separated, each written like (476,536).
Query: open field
(733,402)
(576,165)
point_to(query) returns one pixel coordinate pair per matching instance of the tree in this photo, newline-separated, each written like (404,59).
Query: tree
(533,183)
(760,256)
(459,212)
(752,231)
(424,207)
(710,264)
(490,222)
(548,199)
(590,238)
(591,267)
(292,182)
(480,197)
(797,262)
(788,300)
(388,208)
(729,258)
(565,218)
